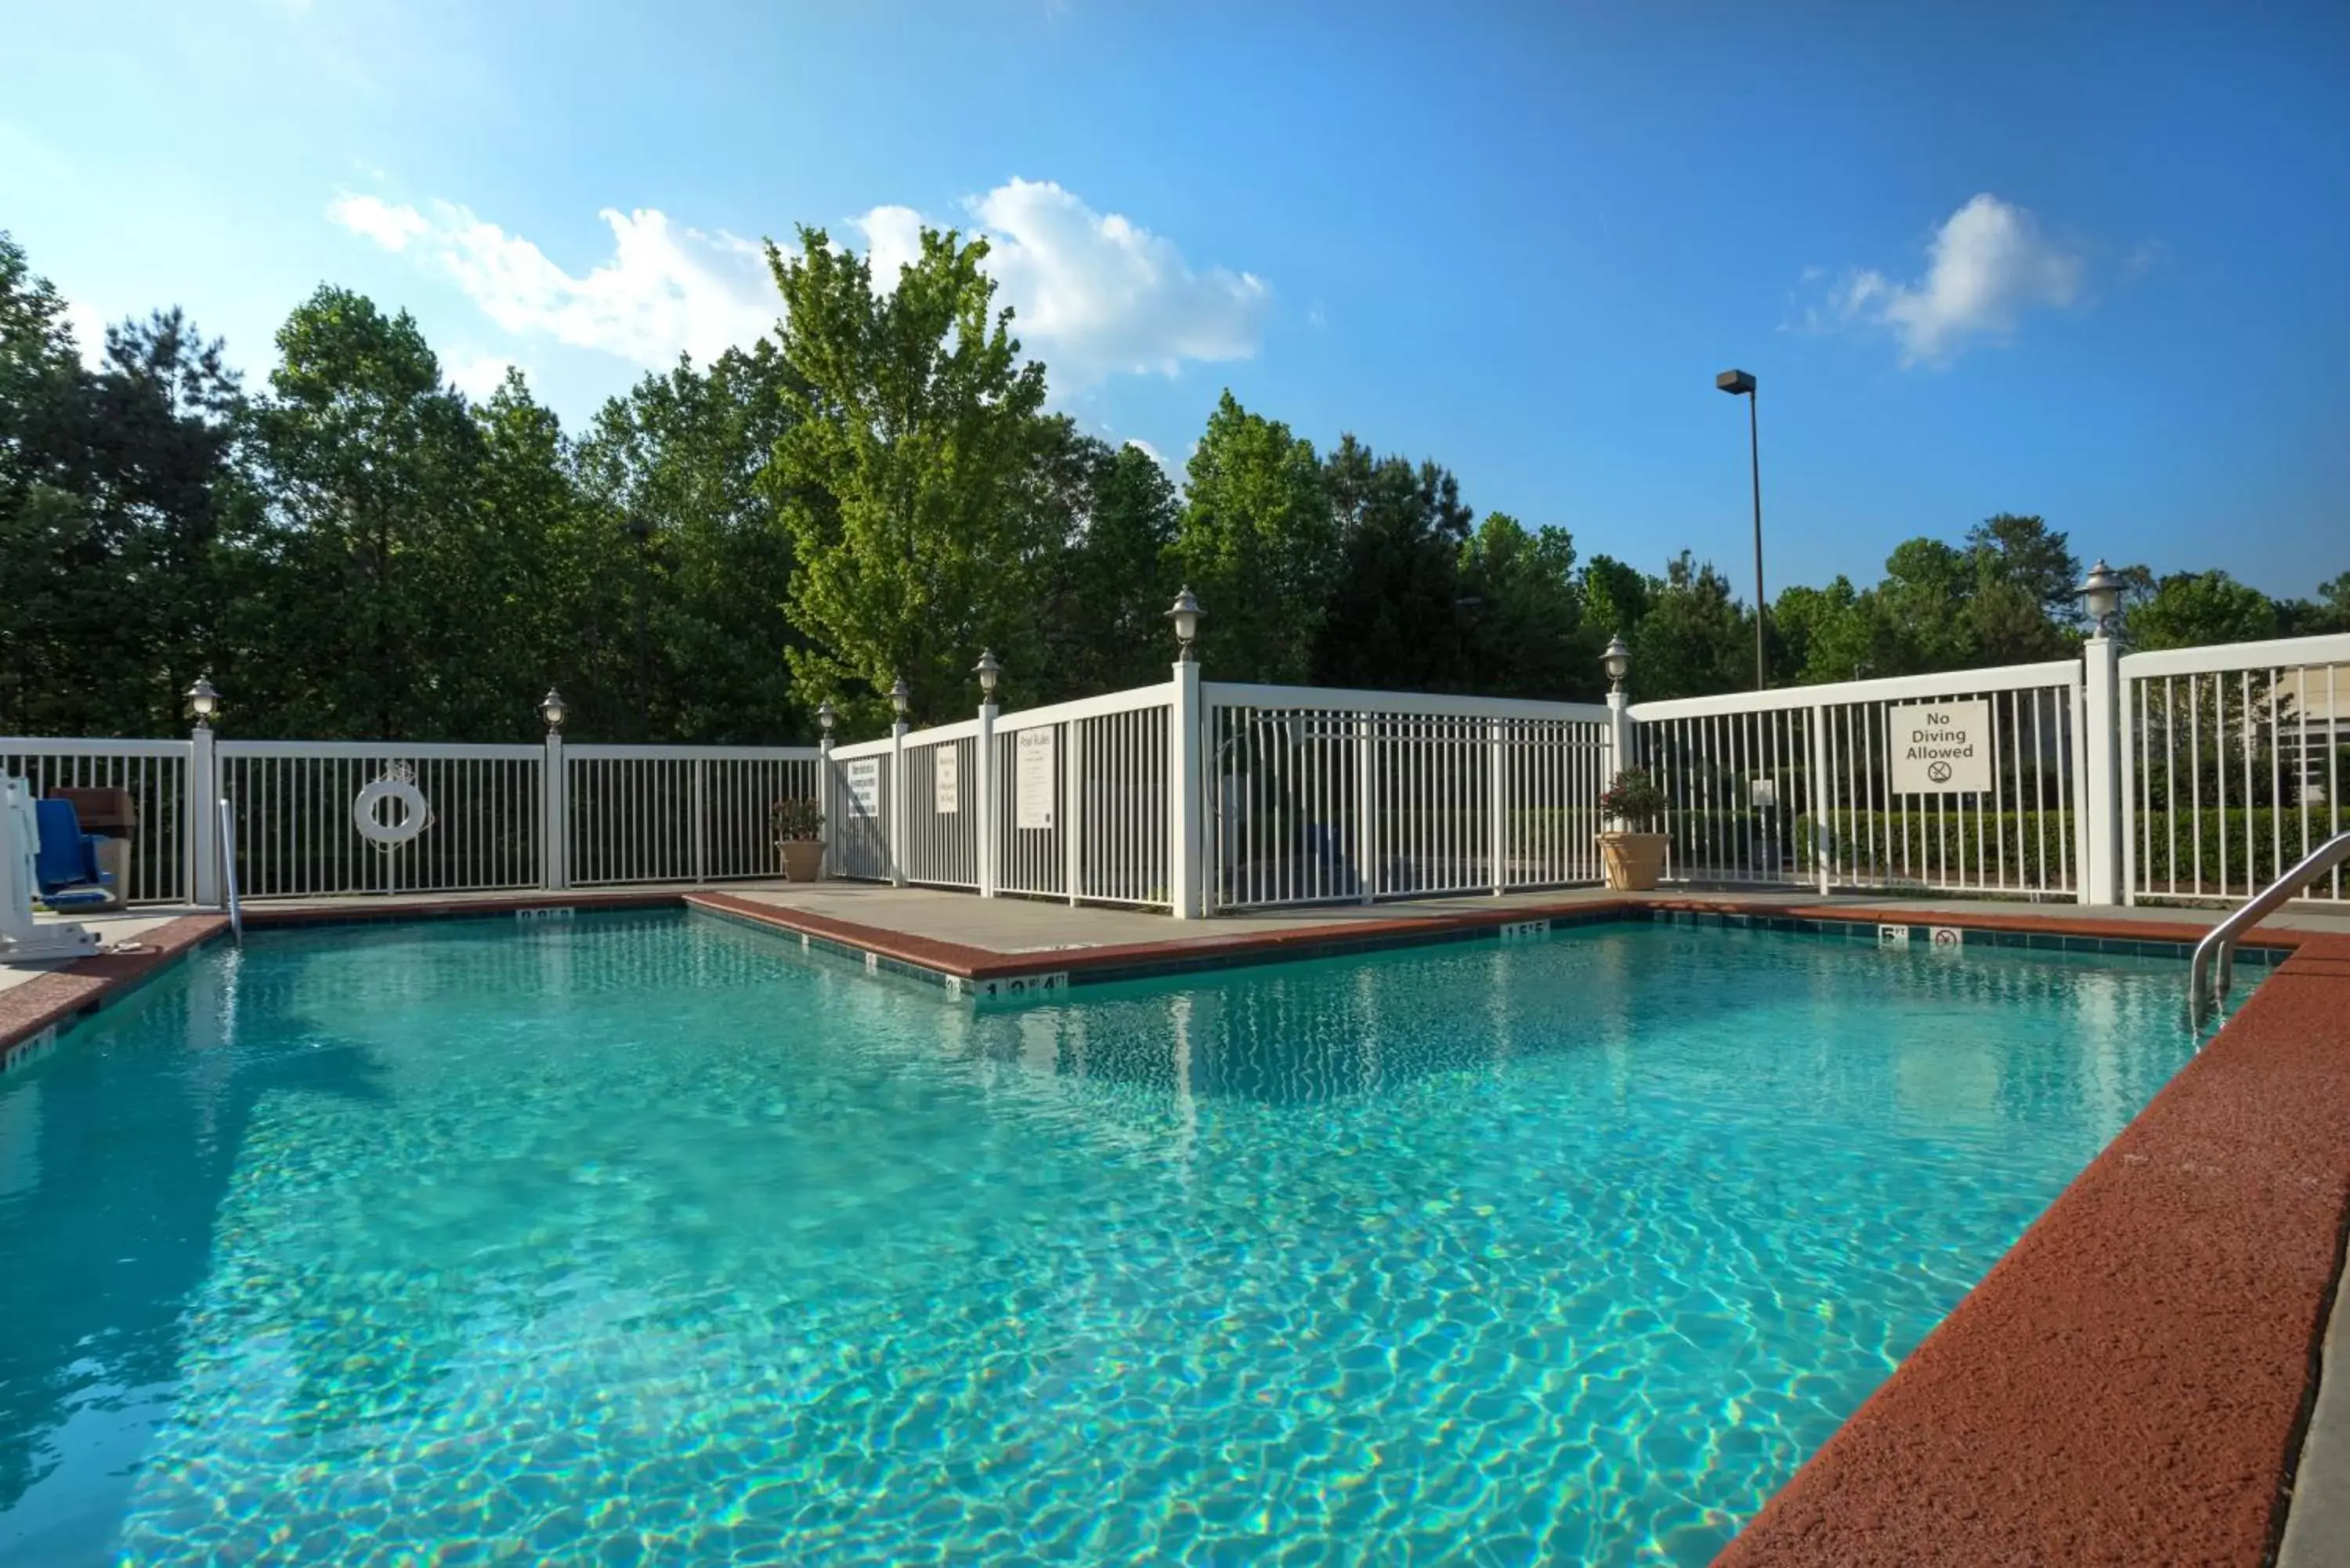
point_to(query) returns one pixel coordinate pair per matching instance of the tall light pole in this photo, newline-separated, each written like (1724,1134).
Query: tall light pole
(1738,382)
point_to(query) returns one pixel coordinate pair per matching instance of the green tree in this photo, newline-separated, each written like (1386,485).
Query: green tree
(371,594)
(1696,639)
(901,475)
(1394,617)
(112,488)
(1530,637)
(670,492)
(1106,615)
(1827,634)
(1614,597)
(2192,609)
(1257,543)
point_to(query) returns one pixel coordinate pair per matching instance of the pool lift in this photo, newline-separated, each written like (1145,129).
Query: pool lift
(2204,988)
(24,939)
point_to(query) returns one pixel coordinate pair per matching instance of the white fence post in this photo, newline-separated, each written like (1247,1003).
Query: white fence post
(2100,794)
(1185,796)
(1497,803)
(1073,825)
(1619,737)
(897,812)
(554,815)
(828,802)
(983,839)
(1366,824)
(204,818)
(1822,795)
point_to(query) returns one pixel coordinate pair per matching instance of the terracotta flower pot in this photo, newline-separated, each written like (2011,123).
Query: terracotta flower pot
(802,859)
(1634,861)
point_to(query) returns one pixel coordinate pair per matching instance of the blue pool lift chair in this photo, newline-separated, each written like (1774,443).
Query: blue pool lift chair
(66,874)
(27,853)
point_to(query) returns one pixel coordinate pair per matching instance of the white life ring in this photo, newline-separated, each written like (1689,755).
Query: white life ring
(416,813)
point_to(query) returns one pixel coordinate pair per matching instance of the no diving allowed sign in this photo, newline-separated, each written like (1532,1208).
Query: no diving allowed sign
(1939,747)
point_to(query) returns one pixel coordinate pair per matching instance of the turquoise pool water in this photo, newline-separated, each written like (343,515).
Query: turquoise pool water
(649,1239)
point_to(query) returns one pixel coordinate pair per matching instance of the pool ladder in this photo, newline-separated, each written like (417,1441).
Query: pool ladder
(227,837)
(2221,944)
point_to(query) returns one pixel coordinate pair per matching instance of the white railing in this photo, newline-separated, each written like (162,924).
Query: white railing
(156,773)
(857,799)
(1326,796)
(2196,773)
(1070,801)
(942,810)
(678,814)
(2233,764)
(297,822)
(1083,797)
(1797,786)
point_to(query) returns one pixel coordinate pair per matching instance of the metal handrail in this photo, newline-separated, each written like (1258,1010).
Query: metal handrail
(228,871)
(2221,941)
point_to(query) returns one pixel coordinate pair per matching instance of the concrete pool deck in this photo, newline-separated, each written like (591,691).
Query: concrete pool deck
(2131,1383)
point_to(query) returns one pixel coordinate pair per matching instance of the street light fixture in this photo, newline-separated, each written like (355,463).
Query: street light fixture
(1186,615)
(900,697)
(824,716)
(203,702)
(553,708)
(1738,383)
(989,670)
(1618,661)
(2101,590)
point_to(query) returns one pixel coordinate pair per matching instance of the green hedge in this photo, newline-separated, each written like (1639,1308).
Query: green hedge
(2166,846)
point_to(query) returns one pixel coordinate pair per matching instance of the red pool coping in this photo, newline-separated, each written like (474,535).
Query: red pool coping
(31,1011)
(1204,943)
(2129,1384)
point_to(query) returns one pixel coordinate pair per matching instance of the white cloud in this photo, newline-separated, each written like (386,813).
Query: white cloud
(1098,295)
(1093,296)
(1986,265)
(893,240)
(477,375)
(389,226)
(666,290)
(89,324)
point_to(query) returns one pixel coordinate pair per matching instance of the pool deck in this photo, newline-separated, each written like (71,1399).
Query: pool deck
(2138,1381)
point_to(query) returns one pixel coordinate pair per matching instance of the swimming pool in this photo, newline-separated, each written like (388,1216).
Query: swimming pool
(648,1239)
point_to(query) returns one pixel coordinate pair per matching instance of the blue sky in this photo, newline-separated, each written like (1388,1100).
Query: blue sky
(2082,261)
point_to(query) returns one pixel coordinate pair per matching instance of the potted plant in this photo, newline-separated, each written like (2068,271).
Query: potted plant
(798,824)
(1634,852)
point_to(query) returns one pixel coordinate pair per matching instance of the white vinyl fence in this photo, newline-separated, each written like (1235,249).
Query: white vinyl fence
(1321,796)
(2178,775)
(156,773)
(1799,788)
(677,813)
(297,827)
(2234,762)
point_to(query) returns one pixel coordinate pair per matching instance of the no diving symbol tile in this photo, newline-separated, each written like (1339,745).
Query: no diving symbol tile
(1949,938)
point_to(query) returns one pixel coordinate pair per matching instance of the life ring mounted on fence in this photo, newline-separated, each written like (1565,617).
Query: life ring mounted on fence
(398,785)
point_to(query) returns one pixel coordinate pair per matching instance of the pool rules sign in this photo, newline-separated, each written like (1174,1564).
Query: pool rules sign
(1939,747)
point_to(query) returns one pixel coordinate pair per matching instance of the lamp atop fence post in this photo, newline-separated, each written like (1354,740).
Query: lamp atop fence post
(901,699)
(2101,712)
(824,718)
(554,709)
(203,702)
(989,670)
(1186,615)
(1618,661)
(2101,591)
